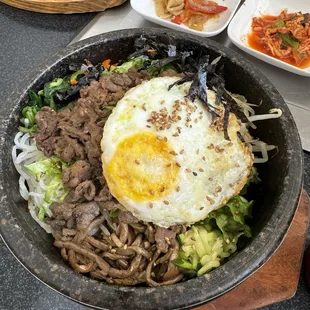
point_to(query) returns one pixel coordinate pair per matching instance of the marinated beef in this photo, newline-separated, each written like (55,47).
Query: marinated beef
(163,238)
(74,134)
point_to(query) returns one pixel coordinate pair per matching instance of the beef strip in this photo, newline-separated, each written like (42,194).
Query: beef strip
(85,213)
(77,173)
(71,216)
(164,237)
(127,217)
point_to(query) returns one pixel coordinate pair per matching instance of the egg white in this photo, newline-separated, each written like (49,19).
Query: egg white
(212,169)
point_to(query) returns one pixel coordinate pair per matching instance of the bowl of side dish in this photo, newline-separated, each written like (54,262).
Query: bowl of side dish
(277,42)
(188,16)
(276,195)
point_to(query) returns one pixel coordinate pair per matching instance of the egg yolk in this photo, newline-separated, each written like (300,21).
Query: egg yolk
(143,168)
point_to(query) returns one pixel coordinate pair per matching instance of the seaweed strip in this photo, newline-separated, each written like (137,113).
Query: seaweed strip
(225,121)
(240,136)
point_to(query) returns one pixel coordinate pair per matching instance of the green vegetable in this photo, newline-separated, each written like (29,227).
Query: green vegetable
(203,248)
(136,63)
(77,75)
(51,169)
(114,213)
(29,112)
(289,40)
(278,24)
(208,243)
(51,88)
(158,66)
(230,219)
(49,166)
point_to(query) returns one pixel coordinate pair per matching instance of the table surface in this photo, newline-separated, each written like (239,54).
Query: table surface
(26,40)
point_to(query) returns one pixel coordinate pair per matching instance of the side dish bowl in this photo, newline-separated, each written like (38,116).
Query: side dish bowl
(240,27)
(212,27)
(276,197)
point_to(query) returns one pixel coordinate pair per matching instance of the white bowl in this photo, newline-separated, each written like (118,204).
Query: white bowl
(240,27)
(212,27)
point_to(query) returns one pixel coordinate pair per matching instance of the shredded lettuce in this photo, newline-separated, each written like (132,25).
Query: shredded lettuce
(49,171)
(230,218)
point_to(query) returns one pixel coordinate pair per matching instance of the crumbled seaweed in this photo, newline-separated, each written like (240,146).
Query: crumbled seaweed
(72,92)
(226,121)
(240,136)
(184,79)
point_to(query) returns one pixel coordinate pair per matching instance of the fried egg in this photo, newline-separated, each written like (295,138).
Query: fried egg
(165,160)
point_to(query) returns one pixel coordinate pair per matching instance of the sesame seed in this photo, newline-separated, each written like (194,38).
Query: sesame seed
(218,149)
(230,185)
(168,165)
(182,151)
(178,165)
(179,117)
(196,120)
(200,112)
(203,157)
(153,274)
(229,144)
(148,126)
(175,134)
(160,138)
(162,189)
(201,208)
(237,165)
(143,107)
(152,192)
(210,199)
(165,138)
(134,106)
(188,170)
(173,153)
(150,205)
(194,173)
(125,246)
(178,189)
(210,179)
(167,240)
(137,162)
(162,102)
(190,126)
(113,251)
(211,146)
(166,202)
(218,189)
(201,170)
(197,151)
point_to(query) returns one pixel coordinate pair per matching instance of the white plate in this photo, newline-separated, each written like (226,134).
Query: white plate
(240,27)
(212,27)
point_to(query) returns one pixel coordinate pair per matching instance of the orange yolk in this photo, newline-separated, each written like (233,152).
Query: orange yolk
(143,168)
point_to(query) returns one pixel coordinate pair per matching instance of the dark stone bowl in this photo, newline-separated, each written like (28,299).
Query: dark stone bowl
(276,198)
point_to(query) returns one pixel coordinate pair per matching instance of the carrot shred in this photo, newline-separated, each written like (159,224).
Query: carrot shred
(151,51)
(107,64)
(73,82)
